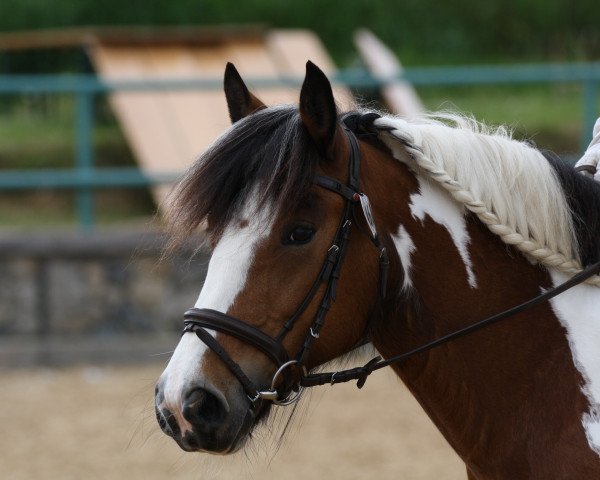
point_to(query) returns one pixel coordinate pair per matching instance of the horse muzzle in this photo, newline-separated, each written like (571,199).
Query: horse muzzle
(204,419)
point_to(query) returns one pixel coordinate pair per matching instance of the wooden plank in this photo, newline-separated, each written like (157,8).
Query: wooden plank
(181,122)
(254,61)
(142,115)
(145,117)
(168,129)
(197,117)
(400,97)
(291,49)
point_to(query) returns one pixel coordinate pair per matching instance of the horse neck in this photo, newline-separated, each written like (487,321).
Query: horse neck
(450,272)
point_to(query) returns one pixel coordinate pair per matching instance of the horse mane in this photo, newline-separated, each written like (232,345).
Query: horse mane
(535,203)
(529,200)
(270,149)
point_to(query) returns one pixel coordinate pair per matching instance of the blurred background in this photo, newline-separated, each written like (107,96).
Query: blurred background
(103,105)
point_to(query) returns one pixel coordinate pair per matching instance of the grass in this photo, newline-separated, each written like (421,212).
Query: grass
(551,116)
(40,132)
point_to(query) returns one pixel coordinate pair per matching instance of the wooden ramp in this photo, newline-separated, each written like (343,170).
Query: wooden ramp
(168,129)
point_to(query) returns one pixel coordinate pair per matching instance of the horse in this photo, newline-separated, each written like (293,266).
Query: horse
(330,231)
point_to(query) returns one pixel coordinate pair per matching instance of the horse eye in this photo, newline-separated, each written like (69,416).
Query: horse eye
(299,235)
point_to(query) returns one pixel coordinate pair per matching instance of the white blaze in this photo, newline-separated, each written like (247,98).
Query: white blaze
(226,277)
(228,266)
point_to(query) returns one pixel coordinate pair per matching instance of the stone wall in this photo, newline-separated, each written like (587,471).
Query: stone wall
(89,287)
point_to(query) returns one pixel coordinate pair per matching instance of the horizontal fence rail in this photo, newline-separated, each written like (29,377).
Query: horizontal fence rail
(84,177)
(70,179)
(426,76)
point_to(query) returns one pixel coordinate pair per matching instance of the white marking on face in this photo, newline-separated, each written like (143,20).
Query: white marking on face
(225,279)
(178,374)
(577,309)
(437,203)
(405,247)
(231,261)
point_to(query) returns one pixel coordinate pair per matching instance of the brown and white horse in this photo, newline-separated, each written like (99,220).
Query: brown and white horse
(473,222)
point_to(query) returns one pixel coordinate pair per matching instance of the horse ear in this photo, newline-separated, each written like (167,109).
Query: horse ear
(240,101)
(317,107)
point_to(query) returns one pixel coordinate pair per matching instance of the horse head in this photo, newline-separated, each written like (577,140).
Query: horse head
(281,260)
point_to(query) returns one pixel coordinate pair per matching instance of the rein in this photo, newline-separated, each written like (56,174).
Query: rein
(198,320)
(361,373)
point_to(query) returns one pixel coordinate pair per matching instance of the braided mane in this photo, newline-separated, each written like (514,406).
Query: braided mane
(509,185)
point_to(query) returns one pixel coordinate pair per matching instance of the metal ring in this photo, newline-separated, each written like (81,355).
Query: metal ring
(280,370)
(293,396)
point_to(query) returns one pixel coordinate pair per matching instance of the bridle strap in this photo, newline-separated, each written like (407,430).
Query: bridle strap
(330,291)
(361,373)
(233,367)
(330,270)
(206,318)
(336,187)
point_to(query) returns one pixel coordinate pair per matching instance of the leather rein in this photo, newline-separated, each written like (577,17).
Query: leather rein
(284,390)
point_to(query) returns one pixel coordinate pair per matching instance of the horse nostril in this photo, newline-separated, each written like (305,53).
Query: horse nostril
(203,409)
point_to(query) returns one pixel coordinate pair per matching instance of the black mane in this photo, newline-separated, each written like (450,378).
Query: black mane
(270,148)
(583,195)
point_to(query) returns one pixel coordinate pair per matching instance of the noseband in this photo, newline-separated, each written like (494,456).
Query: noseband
(284,390)
(198,320)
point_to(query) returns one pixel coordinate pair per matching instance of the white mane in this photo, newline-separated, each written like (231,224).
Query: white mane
(509,185)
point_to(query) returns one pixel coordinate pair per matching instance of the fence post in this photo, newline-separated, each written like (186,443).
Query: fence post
(590,111)
(84,155)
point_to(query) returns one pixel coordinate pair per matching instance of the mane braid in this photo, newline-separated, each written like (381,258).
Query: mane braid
(509,185)
(268,153)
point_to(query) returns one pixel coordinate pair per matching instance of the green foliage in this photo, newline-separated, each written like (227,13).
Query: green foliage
(548,115)
(421,31)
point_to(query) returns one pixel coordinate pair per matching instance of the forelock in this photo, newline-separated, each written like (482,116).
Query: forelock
(269,152)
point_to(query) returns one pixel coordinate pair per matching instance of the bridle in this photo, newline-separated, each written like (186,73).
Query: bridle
(198,320)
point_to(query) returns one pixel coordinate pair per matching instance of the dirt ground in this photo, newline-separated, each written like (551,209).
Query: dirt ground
(98,423)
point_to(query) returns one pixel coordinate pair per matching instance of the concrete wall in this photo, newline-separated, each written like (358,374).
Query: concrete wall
(92,294)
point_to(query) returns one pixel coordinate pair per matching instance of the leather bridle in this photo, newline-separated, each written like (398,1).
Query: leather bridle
(284,389)
(197,320)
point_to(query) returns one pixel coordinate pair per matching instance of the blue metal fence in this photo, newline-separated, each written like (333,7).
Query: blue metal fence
(85,177)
